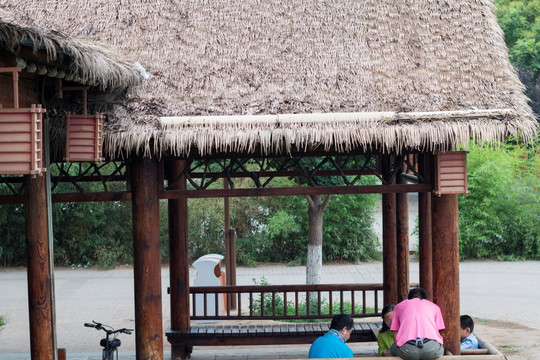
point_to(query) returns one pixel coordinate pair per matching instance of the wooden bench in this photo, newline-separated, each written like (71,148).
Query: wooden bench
(267,334)
(250,326)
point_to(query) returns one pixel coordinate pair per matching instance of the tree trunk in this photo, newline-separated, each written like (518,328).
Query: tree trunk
(315,234)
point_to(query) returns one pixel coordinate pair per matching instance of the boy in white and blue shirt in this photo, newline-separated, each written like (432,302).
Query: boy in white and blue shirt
(468,340)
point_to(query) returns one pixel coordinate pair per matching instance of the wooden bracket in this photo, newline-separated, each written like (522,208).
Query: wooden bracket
(15,74)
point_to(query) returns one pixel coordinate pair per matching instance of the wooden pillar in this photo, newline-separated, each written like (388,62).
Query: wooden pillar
(227,226)
(389,237)
(178,255)
(61,354)
(424,230)
(147,259)
(446,266)
(230,249)
(38,268)
(232,257)
(402,242)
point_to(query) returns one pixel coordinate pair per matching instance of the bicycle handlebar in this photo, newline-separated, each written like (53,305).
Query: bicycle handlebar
(99,326)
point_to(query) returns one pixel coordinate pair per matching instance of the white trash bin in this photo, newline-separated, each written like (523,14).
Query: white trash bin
(209,274)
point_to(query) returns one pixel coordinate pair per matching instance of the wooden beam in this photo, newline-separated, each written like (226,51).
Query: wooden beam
(216,193)
(75,197)
(424,231)
(15,80)
(389,238)
(315,190)
(402,244)
(38,268)
(444,219)
(93,197)
(178,256)
(147,259)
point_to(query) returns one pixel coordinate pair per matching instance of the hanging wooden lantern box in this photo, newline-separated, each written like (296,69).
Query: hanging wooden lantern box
(450,173)
(84,138)
(21,141)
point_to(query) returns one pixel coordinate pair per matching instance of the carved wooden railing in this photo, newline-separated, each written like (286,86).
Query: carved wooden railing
(285,302)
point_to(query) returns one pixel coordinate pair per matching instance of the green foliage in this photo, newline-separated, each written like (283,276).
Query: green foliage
(520,21)
(93,233)
(278,228)
(270,229)
(348,232)
(267,302)
(2,321)
(13,239)
(206,227)
(500,216)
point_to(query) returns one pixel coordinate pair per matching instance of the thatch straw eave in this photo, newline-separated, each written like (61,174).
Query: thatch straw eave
(79,59)
(285,134)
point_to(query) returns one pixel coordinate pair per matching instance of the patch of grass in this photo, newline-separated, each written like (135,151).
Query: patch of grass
(2,321)
(509,348)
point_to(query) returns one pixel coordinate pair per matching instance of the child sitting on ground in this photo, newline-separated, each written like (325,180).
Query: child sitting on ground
(468,340)
(385,337)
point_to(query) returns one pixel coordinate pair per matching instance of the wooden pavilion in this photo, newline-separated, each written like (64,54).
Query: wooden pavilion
(404,85)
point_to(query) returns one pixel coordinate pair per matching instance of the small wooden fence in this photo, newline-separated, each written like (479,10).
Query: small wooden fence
(285,302)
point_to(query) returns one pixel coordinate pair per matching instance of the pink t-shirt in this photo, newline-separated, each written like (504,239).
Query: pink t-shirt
(417,318)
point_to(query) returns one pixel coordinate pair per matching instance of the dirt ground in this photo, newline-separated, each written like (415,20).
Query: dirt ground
(515,341)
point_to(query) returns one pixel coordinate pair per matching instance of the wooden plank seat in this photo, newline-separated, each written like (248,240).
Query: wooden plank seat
(474,352)
(262,334)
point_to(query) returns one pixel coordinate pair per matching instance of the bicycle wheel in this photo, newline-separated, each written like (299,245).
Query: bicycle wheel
(110,354)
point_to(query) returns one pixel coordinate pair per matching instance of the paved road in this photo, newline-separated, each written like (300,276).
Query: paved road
(492,290)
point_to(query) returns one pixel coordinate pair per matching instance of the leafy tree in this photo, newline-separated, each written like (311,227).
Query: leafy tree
(520,21)
(13,239)
(206,227)
(89,233)
(500,216)
(317,205)
(92,233)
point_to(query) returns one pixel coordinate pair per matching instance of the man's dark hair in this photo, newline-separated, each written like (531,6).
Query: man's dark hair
(465,321)
(417,293)
(341,321)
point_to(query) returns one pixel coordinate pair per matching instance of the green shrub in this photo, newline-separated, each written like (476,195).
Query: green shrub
(13,239)
(500,216)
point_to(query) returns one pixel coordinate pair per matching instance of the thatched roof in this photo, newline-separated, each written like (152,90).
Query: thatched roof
(253,57)
(79,59)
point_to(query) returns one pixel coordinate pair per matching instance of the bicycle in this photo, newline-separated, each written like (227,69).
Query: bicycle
(110,345)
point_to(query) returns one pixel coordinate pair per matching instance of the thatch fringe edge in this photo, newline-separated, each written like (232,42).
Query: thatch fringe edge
(367,136)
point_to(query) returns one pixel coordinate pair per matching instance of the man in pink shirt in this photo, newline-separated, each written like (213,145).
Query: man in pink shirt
(417,322)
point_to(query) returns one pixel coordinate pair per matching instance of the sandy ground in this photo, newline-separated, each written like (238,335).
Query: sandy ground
(516,341)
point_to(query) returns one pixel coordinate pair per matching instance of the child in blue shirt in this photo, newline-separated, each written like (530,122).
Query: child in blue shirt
(468,340)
